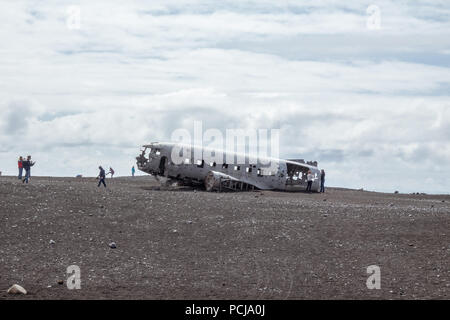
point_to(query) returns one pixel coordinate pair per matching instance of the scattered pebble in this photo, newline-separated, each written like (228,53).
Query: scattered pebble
(16,289)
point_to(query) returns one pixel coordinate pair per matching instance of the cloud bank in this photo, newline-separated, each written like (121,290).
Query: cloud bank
(372,106)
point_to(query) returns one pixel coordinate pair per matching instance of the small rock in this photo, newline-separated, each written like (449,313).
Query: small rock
(60,282)
(52,242)
(113,245)
(16,289)
(396,192)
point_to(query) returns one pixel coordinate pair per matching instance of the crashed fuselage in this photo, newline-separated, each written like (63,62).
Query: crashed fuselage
(243,173)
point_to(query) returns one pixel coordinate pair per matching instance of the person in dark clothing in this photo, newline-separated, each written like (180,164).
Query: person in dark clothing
(27,164)
(101,176)
(322,181)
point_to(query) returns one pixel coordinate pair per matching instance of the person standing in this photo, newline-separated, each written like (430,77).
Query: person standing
(101,176)
(20,165)
(133,170)
(111,171)
(322,181)
(310,179)
(27,164)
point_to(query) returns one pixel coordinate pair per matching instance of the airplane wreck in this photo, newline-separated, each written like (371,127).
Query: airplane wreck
(242,175)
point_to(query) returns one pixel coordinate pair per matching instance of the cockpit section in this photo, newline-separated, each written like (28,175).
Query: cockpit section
(148,160)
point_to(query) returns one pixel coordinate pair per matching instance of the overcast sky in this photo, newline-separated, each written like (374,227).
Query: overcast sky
(370,104)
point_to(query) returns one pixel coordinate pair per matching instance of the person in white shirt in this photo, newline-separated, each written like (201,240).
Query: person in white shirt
(310,179)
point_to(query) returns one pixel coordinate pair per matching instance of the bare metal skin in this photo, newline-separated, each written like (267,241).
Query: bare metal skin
(286,175)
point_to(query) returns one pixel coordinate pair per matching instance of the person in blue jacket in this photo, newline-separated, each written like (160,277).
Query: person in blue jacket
(101,176)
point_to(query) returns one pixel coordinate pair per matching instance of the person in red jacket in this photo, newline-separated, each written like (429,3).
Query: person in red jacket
(20,165)
(111,171)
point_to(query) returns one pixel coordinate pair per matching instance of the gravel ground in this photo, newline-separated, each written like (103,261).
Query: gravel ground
(182,243)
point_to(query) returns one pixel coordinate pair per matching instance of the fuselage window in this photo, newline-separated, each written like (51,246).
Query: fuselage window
(237,168)
(212,164)
(225,166)
(248,170)
(200,163)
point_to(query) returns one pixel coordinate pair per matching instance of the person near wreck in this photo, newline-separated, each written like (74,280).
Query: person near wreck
(322,181)
(101,176)
(310,179)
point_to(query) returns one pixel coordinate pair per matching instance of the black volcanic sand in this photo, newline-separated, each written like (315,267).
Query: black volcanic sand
(175,243)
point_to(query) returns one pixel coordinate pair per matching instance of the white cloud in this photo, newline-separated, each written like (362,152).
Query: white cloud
(373,103)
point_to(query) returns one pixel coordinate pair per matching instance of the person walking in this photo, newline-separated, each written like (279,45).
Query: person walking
(310,179)
(27,164)
(133,170)
(111,171)
(20,165)
(101,176)
(322,181)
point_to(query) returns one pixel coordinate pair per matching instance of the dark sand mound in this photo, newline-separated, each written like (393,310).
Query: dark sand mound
(185,243)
